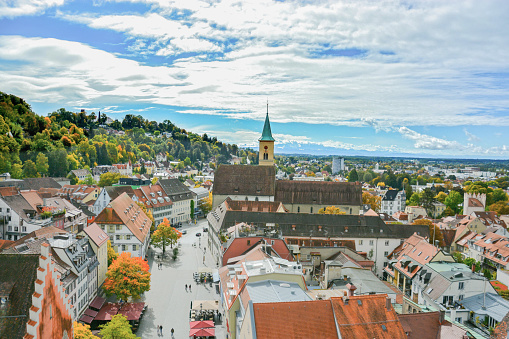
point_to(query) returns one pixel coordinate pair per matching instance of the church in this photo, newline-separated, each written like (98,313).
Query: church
(258,183)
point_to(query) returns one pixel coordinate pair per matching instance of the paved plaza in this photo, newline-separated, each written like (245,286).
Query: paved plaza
(168,302)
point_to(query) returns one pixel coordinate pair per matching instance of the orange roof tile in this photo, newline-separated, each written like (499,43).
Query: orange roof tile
(304,319)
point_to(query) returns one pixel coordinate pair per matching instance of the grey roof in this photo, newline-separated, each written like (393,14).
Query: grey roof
(495,306)
(19,205)
(245,180)
(390,195)
(266,291)
(81,172)
(115,191)
(38,183)
(365,281)
(438,286)
(176,190)
(318,192)
(305,224)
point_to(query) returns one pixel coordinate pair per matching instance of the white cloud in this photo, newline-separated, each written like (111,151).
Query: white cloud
(428,142)
(470,136)
(13,8)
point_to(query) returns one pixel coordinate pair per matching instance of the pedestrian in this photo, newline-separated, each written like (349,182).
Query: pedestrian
(186,287)
(158,330)
(172,331)
(161,330)
(189,287)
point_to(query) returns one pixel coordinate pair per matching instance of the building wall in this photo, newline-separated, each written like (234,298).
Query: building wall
(50,312)
(269,150)
(92,196)
(123,240)
(217,199)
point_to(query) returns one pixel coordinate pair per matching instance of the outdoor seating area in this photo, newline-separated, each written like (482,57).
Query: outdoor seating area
(205,311)
(100,312)
(202,329)
(203,276)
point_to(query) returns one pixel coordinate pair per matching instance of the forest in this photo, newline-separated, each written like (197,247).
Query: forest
(32,145)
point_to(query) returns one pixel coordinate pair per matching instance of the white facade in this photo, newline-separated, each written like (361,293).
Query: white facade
(338,164)
(391,206)
(14,227)
(377,250)
(103,199)
(123,240)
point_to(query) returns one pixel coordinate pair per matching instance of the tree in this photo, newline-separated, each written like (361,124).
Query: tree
(206,204)
(192,209)
(112,255)
(108,179)
(352,176)
(127,277)
(453,200)
(500,207)
(41,163)
(472,262)
(373,200)
(57,161)
(434,231)
(82,331)
(17,171)
(330,210)
(29,169)
(441,196)
(117,328)
(165,235)
(427,199)
(87,181)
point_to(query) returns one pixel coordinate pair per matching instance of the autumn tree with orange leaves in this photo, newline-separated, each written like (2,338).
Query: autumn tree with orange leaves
(127,277)
(165,235)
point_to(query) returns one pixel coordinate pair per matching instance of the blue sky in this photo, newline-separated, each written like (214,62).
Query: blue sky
(420,78)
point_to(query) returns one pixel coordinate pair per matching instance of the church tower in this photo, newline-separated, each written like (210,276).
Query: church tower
(266,143)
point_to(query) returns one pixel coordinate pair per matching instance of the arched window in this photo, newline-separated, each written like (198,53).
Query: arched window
(298,209)
(265,156)
(311,210)
(256,199)
(247,199)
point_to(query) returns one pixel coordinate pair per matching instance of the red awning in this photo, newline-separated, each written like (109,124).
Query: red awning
(201,324)
(107,311)
(91,313)
(202,332)
(86,319)
(132,310)
(98,303)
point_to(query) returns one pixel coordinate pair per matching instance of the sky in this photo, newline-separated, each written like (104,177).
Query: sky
(382,78)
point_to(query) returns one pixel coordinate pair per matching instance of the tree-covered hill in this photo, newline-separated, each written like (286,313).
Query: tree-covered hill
(32,145)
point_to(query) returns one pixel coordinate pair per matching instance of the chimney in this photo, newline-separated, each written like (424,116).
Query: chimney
(442,317)
(388,303)
(351,289)
(473,268)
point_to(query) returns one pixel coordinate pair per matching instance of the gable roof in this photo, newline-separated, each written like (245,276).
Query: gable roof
(390,195)
(96,234)
(33,198)
(304,319)
(19,271)
(243,245)
(38,183)
(315,192)
(367,316)
(123,210)
(33,246)
(422,325)
(115,191)
(176,190)
(10,190)
(19,205)
(245,180)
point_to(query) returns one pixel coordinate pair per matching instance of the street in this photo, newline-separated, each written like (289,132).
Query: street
(168,302)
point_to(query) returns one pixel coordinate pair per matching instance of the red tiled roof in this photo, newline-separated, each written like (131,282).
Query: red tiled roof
(7,191)
(421,325)
(240,246)
(367,316)
(306,319)
(96,234)
(5,244)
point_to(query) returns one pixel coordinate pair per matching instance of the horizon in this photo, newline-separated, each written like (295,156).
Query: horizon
(402,79)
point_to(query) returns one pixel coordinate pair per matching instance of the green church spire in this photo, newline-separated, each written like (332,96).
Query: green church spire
(266,134)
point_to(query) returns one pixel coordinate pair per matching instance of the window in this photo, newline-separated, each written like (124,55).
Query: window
(459,320)
(118,227)
(447,300)
(371,242)
(461,285)
(124,247)
(460,297)
(298,209)
(117,237)
(111,238)
(386,242)
(360,242)
(311,210)
(128,237)
(134,248)
(386,253)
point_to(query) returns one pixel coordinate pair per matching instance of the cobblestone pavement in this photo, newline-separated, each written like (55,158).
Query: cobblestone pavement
(168,302)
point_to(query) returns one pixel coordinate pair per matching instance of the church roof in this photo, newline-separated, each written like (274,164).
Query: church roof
(322,193)
(245,180)
(267,133)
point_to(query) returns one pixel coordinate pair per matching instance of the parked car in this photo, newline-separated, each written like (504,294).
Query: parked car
(198,234)
(184,232)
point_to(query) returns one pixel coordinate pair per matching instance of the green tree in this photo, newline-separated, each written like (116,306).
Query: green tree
(352,176)
(87,181)
(192,209)
(17,171)
(441,196)
(427,198)
(472,262)
(41,163)
(57,161)
(108,179)
(165,235)
(117,328)
(29,169)
(453,200)
(187,161)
